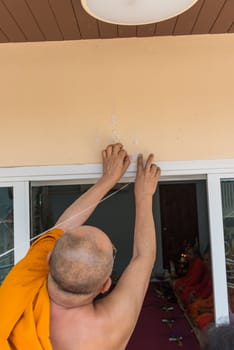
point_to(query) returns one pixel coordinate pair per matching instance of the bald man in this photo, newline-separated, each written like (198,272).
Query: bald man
(62,305)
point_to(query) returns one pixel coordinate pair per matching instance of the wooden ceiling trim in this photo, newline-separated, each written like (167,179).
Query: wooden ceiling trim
(87,24)
(225,18)
(187,20)
(3,37)
(126,31)
(231,29)
(66,19)
(107,30)
(45,19)
(208,15)
(25,19)
(146,30)
(166,27)
(9,26)
(33,20)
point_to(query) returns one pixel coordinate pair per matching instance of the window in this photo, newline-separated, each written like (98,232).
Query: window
(178,205)
(227,189)
(213,172)
(6,231)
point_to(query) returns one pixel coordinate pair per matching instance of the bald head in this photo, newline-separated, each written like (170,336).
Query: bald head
(81,262)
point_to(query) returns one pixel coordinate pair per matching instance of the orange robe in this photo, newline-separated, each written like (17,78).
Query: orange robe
(202,320)
(194,274)
(24,300)
(201,290)
(198,304)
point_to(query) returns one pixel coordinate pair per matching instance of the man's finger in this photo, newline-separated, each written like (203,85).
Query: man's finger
(117,147)
(109,150)
(153,169)
(122,153)
(126,162)
(158,172)
(104,155)
(139,162)
(149,162)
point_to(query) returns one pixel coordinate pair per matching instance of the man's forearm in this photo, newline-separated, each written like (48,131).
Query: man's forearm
(82,208)
(144,236)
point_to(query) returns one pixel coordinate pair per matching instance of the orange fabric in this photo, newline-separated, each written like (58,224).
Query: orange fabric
(207,303)
(194,274)
(24,301)
(203,320)
(201,290)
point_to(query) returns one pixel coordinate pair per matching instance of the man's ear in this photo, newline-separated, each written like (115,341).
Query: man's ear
(106,286)
(48,257)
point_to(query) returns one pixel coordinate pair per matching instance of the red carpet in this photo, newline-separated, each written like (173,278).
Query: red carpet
(151,333)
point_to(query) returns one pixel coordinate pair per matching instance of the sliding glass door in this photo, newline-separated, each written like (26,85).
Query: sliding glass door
(26,209)
(227,190)
(6,231)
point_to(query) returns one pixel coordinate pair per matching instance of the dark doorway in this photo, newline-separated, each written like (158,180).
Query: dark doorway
(179,219)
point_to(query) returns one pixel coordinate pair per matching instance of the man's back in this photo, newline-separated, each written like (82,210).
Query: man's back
(88,327)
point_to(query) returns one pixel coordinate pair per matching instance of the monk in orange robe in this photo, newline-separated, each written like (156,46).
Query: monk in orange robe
(201,290)
(48,300)
(194,274)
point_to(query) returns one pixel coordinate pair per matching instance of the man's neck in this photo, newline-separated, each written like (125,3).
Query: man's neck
(65,300)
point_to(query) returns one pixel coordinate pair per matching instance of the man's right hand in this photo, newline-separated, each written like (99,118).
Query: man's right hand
(115,162)
(147,177)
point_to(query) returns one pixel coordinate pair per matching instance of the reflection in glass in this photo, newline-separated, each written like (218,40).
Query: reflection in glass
(49,202)
(6,230)
(227,189)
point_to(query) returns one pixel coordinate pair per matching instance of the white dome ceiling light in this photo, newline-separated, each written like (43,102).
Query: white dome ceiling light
(135,12)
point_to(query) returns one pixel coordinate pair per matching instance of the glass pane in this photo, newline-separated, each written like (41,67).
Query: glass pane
(6,231)
(227,189)
(48,203)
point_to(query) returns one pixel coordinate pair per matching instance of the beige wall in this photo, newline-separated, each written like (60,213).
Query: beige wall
(61,103)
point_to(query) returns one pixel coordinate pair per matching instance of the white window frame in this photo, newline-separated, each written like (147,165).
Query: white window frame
(20,216)
(217,248)
(212,170)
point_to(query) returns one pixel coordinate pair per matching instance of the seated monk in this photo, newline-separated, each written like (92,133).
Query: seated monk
(48,300)
(202,289)
(195,271)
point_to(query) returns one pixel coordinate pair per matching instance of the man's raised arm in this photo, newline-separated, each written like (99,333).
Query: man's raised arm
(115,163)
(145,186)
(144,245)
(124,303)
